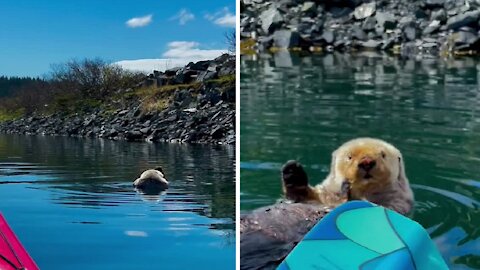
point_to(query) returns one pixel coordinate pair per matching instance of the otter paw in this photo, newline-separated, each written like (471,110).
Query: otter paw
(293,175)
(345,190)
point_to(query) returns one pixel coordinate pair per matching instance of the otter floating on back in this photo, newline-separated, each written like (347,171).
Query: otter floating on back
(153,179)
(361,169)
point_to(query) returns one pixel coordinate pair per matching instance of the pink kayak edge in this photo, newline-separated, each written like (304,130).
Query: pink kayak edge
(13,249)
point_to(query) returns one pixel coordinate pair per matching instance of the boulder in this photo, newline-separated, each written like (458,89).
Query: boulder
(410,33)
(365,10)
(439,15)
(432,27)
(386,20)
(463,19)
(434,3)
(370,44)
(286,39)
(270,19)
(309,8)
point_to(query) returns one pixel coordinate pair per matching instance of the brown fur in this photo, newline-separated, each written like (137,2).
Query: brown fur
(385,184)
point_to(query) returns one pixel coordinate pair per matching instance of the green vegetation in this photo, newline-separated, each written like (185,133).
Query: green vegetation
(227,79)
(10,115)
(158,98)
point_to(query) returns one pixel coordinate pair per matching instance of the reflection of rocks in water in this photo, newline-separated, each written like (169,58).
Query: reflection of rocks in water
(437,87)
(379,90)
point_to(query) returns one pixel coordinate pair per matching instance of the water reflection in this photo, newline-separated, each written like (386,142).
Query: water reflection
(75,182)
(304,107)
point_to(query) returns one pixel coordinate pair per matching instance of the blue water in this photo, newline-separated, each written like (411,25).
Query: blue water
(305,107)
(71,203)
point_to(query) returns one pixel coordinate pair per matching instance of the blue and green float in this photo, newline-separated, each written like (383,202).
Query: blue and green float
(364,236)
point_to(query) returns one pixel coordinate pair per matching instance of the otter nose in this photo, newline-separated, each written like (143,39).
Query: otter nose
(367,164)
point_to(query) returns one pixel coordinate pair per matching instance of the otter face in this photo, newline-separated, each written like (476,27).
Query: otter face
(369,165)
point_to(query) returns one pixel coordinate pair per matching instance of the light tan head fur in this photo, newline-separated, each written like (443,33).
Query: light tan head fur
(151,178)
(370,166)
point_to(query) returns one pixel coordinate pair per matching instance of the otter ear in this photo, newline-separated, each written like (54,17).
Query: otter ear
(402,177)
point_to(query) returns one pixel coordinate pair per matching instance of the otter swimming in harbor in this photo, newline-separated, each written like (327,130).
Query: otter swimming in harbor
(361,169)
(151,180)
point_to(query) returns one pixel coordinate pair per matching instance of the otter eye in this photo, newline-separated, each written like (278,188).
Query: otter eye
(349,157)
(383,154)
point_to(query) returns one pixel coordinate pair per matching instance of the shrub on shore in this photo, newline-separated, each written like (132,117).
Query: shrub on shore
(70,86)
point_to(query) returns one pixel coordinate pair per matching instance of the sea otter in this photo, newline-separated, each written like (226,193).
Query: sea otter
(361,169)
(151,180)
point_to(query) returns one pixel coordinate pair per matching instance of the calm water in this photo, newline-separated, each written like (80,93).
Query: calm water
(304,108)
(71,203)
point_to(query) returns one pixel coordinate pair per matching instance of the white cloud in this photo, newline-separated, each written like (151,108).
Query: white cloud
(179,53)
(149,65)
(183,16)
(139,21)
(223,18)
(190,50)
(228,20)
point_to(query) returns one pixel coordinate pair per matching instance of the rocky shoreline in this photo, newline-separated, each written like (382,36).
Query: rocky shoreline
(200,110)
(433,27)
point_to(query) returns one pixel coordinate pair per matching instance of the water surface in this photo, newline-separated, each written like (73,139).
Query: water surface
(71,203)
(305,107)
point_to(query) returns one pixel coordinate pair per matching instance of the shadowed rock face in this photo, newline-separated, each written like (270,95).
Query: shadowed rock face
(268,234)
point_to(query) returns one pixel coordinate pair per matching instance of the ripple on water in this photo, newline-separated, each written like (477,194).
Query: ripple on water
(74,198)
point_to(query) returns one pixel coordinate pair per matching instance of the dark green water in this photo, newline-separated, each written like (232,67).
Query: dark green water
(71,203)
(304,108)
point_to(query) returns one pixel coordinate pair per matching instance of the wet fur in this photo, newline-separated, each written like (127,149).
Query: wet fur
(386,184)
(151,179)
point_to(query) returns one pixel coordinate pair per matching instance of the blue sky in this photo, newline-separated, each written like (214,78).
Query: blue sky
(37,33)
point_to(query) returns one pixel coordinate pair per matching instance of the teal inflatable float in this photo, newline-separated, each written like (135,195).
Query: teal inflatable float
(364,236)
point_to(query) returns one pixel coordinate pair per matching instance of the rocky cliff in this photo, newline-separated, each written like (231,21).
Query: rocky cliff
(194,104)
(402,27)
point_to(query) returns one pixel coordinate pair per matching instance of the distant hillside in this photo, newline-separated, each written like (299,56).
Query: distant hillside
(8,85)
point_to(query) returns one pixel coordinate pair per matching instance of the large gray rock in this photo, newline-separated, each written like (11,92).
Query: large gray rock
(464,38)
(434,3)
(206,75)
(410,33)
(358,33)
(432,27)
(369,24)
(309,7)
(370,44)
(200,65)
(385,20)
(271,19)
(365,10)
(286,39)
(463,19)
(439,15)
(328,36)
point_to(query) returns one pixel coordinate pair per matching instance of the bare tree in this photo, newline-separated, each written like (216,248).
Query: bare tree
(231,41)
(92,78)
